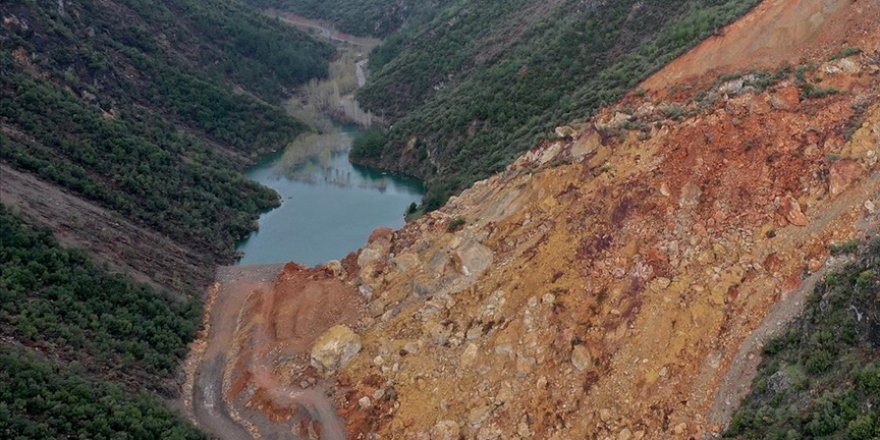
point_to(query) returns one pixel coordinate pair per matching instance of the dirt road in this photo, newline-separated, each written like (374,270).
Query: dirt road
(248,375)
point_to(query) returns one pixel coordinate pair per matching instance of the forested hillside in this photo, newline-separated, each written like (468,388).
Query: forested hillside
(480,83)
(133,105)
(378,18)
(124,127)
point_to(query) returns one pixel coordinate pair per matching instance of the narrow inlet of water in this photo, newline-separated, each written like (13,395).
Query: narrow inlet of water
(329,206)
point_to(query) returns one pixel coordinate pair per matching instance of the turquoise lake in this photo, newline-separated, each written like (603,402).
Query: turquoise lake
(329,206)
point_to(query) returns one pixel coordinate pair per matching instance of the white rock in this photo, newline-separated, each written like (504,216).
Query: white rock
(469,356)
(335,348)
(581,358)
(365,403)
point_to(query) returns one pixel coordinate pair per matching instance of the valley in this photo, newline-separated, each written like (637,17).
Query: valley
(440,220)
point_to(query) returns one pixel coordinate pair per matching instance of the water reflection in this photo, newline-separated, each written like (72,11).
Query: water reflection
(329,207)
(312,159)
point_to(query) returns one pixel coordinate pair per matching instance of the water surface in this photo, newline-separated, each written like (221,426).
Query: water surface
(329,206)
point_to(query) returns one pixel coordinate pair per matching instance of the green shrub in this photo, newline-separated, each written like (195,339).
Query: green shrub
(369,144)
(810,91)
(456,224)
(845,53)
(58,298)
(846,247)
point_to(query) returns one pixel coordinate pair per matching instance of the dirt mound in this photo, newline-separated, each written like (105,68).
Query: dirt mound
(611,283)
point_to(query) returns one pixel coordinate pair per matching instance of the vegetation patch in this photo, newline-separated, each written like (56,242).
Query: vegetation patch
(40,400)
(378,18)
(845,53)
(58,299)
(479,85)
(821,377)
(456,224)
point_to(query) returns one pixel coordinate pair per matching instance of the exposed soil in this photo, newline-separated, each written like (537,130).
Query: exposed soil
(777,32)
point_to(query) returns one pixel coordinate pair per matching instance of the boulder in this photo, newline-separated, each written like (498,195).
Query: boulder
(690,195)
(791,210)
(446,430)
(335,348)
(786,98)
(581,358)
(469,356)
(842,174)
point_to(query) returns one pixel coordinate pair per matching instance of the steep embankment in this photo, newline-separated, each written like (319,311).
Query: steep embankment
(114,110)
(609,282)
(123,127)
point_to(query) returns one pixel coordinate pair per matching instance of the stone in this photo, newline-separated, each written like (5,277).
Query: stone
(625,434)
(812,150)
(504,349)
(786,98)
(565,131)
(383,235)
(478,414)
(335,266)
(586,144)
(870,207)
(365,403)
(581,358)
(439,333)
(474,333)
(791,210)
(366,291)
(475,258)
(469,356)
(335,348)
(731,87)
(680,428)
(605,415)
(524,364)
(368,256)
(411,347)
(406,262)
(490,432)
(445,430)
(690,195)
(491,309)
(842,174)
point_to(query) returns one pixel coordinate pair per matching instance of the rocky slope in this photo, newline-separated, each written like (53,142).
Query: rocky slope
(617,282)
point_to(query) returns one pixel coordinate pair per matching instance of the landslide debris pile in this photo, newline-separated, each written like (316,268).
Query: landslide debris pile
(616,282)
